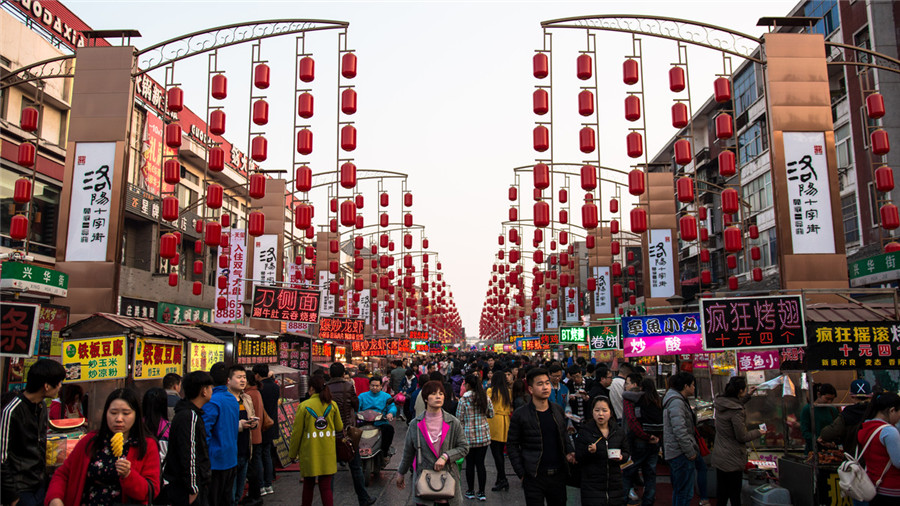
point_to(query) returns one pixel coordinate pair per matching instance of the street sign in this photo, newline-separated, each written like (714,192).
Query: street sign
(33,278)
(876,269)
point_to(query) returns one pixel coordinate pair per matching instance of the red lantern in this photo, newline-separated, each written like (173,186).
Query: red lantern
(219,86)
(630,71)
(634,144)
(28,119)
(172,171)
(892,247)
(348,101)
(216,160)
(199,226)
(685,186)
(584,67)
(730,201)
(889,217)
(563,216)
(732,239)
(541,174)
(683,154)
(26,154)
(383,200)
(563,196)
(198,267)
(587,140)
(541,65)
(173,279)
(875,105)
(18,227)
(881,145)
(614,248)
(408,199)
(638,220)
(224,241)
(614,226)
(513,214)
(303,214)
(257,186)
(541,101)
(303,179)
(214,194)
(261,76)
(541,138)
(513,194)
(348,65)
(757,274)
(704,234)
(722,89)
(636,182)
(591,284)
(884,178)
(705,277)
(197,288)
(731,261)
(754,231)
(585,103)
(732,282)
(168,245)
(704,255)
(541,214)
(724,126)
(701,212)
(613,206)
(170,208)
(256,223)
(173,135)
(632,108)
(22,191)
(332,225)
(384,220)
(307,71)
(260,112)
(213,233)
(687,224)
(407,220)
(259,149)
(221,302)
(755,253)
(348,175)
(304,141)
(174,99)
(305,105)
(217,122)
(676,79)
(538,257)
(589,216)
(348,213)
(727,167)
(679,115)
(348,138)
(617,290)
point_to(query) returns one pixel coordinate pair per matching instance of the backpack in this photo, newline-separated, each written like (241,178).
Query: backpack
(854,481)
(456,382)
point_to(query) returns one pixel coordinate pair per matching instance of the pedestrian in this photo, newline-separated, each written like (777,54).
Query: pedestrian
(602,382)
(408,387)
(221,417)
(104,469)
(473,411)
(882,457)
(456,381)
(844,428)
(600,449)
(317,421)
(172,385)
(23,436)
(825,393)
(156,413)
(270,394)
(680,446)
(381,402)
(729,455)
(343,392)
(616,389)
(397,375)
(68,405)
(644,419)
(500,395)
(520,395)
(361,379)
(188,469)
(559,393)
(578,394)
(539,447)
(254,469)
(436,440)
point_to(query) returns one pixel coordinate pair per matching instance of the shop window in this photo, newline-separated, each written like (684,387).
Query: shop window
(768,248)
(752,142)
(850,214)
(758,193)
(136,244)
(844,147)
(44,214)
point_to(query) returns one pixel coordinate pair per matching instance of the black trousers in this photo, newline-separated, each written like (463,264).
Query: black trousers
(542,487)
(728,487)
(221,486)
(475,462)
(181,496)
(497,448)
(387,438)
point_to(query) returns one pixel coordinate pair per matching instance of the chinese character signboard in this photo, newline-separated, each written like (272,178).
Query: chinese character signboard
(760,360)
(571,302)
(201,356)
(670,334)
(50,323)
(18,328)
(553,323)
(539,319)
(534,343)
(151,151)
(34,278)
(99,358)
(234,271)
(365,305)
(296,352)
(418,335)
(605,337)
(265,259)
(853,345)
(256,351)
(370,347)
(793,359)
(322,352)
(177,313)
(662,272)
(809,193)
(89,211)
(877,269)
(752,322)
(154,359)
(573,335)
(341,329)
(405,346)
(138,308)
(327,304)
(290,304)
(602,298)
(384,316)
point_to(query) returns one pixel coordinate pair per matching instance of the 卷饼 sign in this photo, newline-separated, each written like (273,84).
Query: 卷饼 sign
(154,359)
(670,334)
(853,345)
(752,322)
(18,328)
(91,201)
(605,337)
(94,359)
(290,304)
(809,192)
(341,329)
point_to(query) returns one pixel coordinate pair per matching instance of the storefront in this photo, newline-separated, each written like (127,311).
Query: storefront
(203,350)
(244,345)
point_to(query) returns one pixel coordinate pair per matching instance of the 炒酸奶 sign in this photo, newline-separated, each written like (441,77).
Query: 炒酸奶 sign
(669,334)
(153,359)
(853,345)
(201,356)
(256,351)
(740,323)
(289,304)
(341,329)
(94,359)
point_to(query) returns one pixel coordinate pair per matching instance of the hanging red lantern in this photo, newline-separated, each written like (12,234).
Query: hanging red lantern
(173,135)
(636,182)
(632,108)
(224,241)
(587,140)
(732,237)
(589,216)
(172,171)
(348,101)
(174,99)
(197,288)
(591,284)
(724,126)
(256,223)
(683,155)
(685,189)
(348,138)
(676,79)
(305,105)
(701,212)
(727,167)
(875,105)
(26,154)
(348,65)
(384,220)
(261,76)
(383,240)
(198,267)
(259,149)
(757,274)
(631,269)
(630,71)
(755,253)
(891,247)
(513,214)
(216,160)
(170,208)
(704,255)
(217,122)
(28,119)
(213,233)
(614,206)
(333,225)
(199,226)
(168,245)
(219,86)
(359,200)
(634,144)
(304,141)
(705,277)
(501,253)
(541,65)
(513,194)
(348,175)
(260,112)
(731,261)
(730,201)
(541,174)
(584,65)
(614,248)
(687,224)
(173,279)
(384,200)
(617,290)
(704,234)
(513,236)
(541,214)
(334,246)
(614,226)
(307,71)
(541,101)
(754,231)
(18,227)
(585,103)
(407,220)
(884,179)
(563,216)
(538,257)
(638,220)
(303,178)
(22,191)
(679,115)
(348,213)
(541,138)
(732,283)
(408,199)
(221,303)
(722,89)
(214,195)
(881,145)
(257,186)
(563,196)
(889,217)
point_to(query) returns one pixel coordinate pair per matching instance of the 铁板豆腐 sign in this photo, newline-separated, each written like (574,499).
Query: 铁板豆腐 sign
(154,359)
(94,359)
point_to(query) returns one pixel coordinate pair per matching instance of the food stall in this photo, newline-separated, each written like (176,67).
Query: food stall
(203,349)
(244,345)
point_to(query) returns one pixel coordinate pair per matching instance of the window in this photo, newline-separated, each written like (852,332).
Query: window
(844,147)
(828,11)
(745,89)
(768,248)
(186,196)
(861,39)
(44,214)
(752,142)
(190,176)
(851,224)
(758,193)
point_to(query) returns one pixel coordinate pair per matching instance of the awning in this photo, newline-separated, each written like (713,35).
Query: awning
(850,312)
(194,334)
(222,329)
(107,324)
(280,369)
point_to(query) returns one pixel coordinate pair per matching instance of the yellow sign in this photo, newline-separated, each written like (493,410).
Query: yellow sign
(95,359)
(498,347)
(201,356)
(154,359)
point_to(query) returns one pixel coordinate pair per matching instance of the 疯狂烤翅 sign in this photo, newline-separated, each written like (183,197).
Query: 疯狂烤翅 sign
(809,192)
(668,334)
(289,304)
(33,278)
(94,359)
(853,345)
(877,269)
(91,201)
(153,359)
(739,323)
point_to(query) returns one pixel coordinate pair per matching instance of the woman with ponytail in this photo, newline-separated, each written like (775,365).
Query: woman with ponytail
(882,457)
(315,425)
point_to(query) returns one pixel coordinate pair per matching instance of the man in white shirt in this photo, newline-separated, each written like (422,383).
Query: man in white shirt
(616,389)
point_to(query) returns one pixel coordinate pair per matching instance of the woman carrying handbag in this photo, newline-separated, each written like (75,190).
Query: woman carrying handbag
(435,440)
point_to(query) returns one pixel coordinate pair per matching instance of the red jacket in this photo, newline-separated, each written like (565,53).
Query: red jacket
(361,383)
(68,481)
(877,459)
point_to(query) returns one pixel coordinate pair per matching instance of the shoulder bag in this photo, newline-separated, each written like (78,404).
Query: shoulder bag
(434,485)
(854,481)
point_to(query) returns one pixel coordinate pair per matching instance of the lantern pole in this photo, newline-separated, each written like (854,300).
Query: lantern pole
(29,208)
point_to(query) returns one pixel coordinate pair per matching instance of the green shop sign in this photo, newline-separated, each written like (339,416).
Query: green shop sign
(604,337)
(33,278)
(176,313)
(573,335)
(877,269)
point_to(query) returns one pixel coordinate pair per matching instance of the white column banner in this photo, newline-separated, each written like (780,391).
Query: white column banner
(518,326)
(326,300)
(365,305)
(554,319)
(527,326)
(383,315)
(539,320)
(265,259)
(573,300)
(662,271)
(234,292)
(602,297)
(809,192)
(90,205)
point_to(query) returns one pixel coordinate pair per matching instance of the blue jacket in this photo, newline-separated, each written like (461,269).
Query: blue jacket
(221,417)
(377,402)
(557,395)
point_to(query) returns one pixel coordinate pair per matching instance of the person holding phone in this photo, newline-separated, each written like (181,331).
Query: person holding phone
(600,450)
(729,455)
(248,422)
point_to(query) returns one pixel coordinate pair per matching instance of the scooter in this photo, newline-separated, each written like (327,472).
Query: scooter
(373,461)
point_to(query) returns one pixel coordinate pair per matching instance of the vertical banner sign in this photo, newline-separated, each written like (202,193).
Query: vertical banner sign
(809,192)
(539,319)
(571,299)
(265,259)
(151,152)
(739,323)
(662,273)
(602,300)
(526,327)
(383,315)
(89,209)
(327,304)
(51,321)
(518,326)
(554,319)
(18,328)
(234,271)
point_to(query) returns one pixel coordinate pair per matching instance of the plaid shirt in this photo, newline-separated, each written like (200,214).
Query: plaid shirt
(475,425)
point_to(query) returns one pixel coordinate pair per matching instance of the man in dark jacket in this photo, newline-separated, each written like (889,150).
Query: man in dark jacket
(344,394)
(187,467)
(269,391)
(538,445)
(23,436)
(844,428)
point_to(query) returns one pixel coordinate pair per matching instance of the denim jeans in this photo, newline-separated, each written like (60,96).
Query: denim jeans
(702,477)
(240,479)
(645,456)
(684,472)
(359,481)
(32,498)
(265,468)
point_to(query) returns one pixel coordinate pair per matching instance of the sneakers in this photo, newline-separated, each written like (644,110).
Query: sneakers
(481,497)
(632,495)
(469,494)
(270,490)
(263,491)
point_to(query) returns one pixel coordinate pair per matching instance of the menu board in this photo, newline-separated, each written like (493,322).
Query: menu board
(93,359)
(853,345)
(255,351)
(154,359)
(286,412)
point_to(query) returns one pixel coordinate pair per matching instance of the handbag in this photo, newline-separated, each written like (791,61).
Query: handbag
(434,485)
(267,421)
(400,398)
(853,479)
(701,443)
(344,448)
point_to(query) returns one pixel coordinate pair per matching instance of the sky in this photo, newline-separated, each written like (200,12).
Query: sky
(444,96)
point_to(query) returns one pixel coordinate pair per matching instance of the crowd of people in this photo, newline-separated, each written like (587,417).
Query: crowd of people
(206,438)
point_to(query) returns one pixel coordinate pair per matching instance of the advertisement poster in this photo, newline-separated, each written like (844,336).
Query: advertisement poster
(290,304)
(265,259)
(671,334)
(234,271)
(250,350)
(327,303)
(809,192)
(89,210)
(203,355)
(151,156)
(853,345)
(602,297)
(740,323)
(759,360)
(370,347)
(662,271)
(18,328)
(50,323)
(539,320)
(98,358)
(571,306)
(383,316)
(153,359)
(553,323)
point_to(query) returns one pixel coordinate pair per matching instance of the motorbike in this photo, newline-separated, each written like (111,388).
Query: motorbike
(373,460)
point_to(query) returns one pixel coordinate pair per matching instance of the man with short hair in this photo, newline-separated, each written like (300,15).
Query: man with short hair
(187,471)
(221,418)
(270,394)
(397,374)
(680,446)
(344,394)
(172,385)
(538,446)
(23,436)
(844,428)
(559,394)
(237,382)
(380,401)
(578,396)
(617,388)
